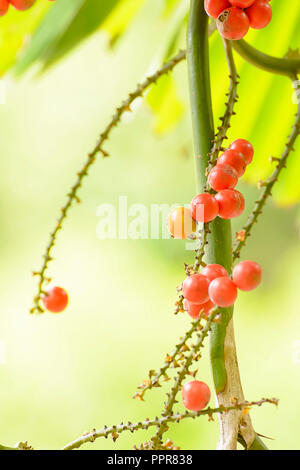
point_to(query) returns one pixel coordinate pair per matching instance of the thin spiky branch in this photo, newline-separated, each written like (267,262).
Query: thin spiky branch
(115,431)
(98,149)
(232,98)
(193,356)
(170,361)
(267,185)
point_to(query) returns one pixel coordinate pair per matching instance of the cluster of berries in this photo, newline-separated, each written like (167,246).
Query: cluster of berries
(18,4)
(213,286)
(235,17)
(227,203)
(55,299)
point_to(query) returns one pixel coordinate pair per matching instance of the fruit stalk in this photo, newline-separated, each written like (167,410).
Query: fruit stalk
(223,358)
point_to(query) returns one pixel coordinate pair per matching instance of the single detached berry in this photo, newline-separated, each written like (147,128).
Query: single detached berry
(195,289)
(235,159)
(247,275)
(204,207)
(212,271)
(215,7)
(22,4)
(56,300)
(222,177)
(195,395)
(194,310)
(243,146)
(180,223)
(233,23)
(222,292)
(241,3)
(231,203)
(4,5)
(259,14)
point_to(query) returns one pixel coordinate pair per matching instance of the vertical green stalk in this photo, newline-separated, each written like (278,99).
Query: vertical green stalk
(219,240)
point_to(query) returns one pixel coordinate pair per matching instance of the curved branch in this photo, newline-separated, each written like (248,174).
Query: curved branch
(73,194)
(285,66)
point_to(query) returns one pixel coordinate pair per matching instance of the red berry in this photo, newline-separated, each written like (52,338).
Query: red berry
(259,14)
(204,207)
(223,292)
(195,289)
(231,203)
(22,4)
(243,146)
(4,5)
(235,159)
(222,177)
(180,223)
(233,23)
(215,7)
(56,300)
(241,3)
(194,310)
(247,275)
(195,395)
(212,271)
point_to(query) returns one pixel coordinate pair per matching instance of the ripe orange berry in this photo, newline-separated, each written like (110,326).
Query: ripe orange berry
(56,300)
(22,4)
(195,289)
(214,7)
(233,23)
(204,207)
(247,275)
(222,177)
(180,223)
(4,5)
(223,292)
(259,14)
(235,159)
(195,395)
(231,203)
(243,146)
(212,271)
(241,3)
(194,310)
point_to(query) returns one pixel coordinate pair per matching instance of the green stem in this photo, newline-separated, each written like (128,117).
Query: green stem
(219,246)
(284,66)
(199,80)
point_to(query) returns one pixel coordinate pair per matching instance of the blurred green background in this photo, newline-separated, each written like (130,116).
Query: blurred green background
(62,375)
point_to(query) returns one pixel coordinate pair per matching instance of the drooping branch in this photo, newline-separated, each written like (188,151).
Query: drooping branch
(98,149)
(268,185)
(115,431)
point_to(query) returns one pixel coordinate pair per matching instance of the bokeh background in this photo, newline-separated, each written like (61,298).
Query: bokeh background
(62,375)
